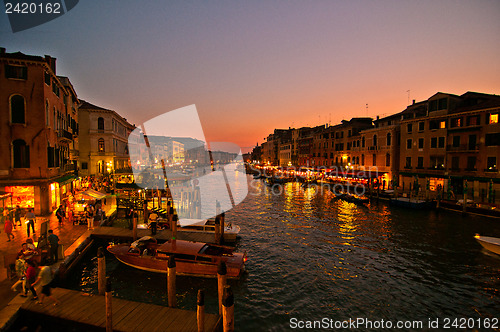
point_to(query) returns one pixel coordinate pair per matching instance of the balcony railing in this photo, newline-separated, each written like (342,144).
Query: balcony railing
(463,148)
(65,135)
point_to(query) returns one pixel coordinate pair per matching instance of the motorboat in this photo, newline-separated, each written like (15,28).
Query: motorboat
(231,230)
(489,243)
(191,258)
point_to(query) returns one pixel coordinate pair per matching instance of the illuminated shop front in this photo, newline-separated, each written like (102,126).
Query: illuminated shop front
(24,196)
(54,195)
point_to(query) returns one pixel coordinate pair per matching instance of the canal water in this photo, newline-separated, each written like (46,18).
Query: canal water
(314,257)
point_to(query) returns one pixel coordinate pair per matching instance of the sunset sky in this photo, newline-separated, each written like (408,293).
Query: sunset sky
(252,66)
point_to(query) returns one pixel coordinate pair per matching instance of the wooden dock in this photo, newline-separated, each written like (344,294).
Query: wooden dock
(106,232)
(90,310)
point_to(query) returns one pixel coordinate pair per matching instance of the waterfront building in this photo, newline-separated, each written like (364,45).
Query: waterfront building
(103,140)
(456,143)
(39,128)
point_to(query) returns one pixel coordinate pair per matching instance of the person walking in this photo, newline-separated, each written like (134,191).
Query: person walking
(90,217)
(30,279)
(60,215)
(45,279)
(18,212)
(31,219)
(8,229)
(152,221)
(54,246)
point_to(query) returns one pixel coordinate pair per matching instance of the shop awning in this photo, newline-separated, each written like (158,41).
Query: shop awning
(5,195)
(65,179)
(93,194)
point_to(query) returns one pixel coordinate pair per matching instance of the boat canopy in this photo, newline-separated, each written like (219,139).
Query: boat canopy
(192,222)
(143,240)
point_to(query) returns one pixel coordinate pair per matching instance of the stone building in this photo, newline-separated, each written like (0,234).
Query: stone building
(103,140)
(39,128)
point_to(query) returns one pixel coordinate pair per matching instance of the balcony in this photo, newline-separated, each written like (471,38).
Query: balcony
(64,136)
(463,148)
(372,148)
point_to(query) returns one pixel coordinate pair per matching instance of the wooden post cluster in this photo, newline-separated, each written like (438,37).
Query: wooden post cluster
(221,282)
(174,227)
(200,311)
(172,301)
(109,312)
(228,310)
(217,229)
(222,224)
(134,227)
(101,271)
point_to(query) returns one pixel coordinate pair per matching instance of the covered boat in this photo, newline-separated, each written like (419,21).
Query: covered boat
(191,258)
(490,243)
(231,231)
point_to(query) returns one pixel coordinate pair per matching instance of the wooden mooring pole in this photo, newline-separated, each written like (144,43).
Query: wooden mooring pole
(217,229)
(101,271)
(221,282)
(172,302)
(222,225)
(200,312)
(228,310)
(174,227)
(134,227)
(109,313)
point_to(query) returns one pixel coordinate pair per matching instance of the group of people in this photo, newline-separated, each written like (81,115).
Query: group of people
(30,274)
(12,219)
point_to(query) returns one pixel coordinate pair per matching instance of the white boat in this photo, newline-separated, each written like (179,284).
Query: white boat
(490,243)
(208,226)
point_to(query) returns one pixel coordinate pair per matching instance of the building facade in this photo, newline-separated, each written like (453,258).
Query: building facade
(39,129)
(103,140)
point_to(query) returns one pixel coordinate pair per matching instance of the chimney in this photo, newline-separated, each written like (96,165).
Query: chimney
(378,117)
(413,102)
(2,50)
(51,62)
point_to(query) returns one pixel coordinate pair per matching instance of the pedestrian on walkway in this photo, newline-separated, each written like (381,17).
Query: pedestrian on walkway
(54,246)
(152,221)
(30,279)
(31,219)
(45,279)
(90,217)
(8,229)
(18,213)
(60,214)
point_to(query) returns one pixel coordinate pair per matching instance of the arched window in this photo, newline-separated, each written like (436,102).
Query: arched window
(17,114)
(357,160)
(100,124)
(389,139)
(100,145)
(348,160)
(374,140)
(387,160)
(363,159)
(363,142)
(21,153)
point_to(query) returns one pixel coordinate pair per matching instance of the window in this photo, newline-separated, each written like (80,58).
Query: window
(437,162)
(17,114)
(441,142)
(55,88)
(433,142)
(100,145)
(442,103)
(471,163)
(409,127)
(408,162)
(421,126)
(421,143)
(50,157)
(408,143)
(47,113)
(492,139)
(493,118)
(456,122)
(442,124)
(46,77)
(21,154)
(472,142)
(473,120)
(85,166)
(100,124)
(363,142)
(420,162)
(17,72)
(455,163)
(374,140)
(374,158)
(491,164)
(456,141)
(389,139)
(363,159)
(387,160)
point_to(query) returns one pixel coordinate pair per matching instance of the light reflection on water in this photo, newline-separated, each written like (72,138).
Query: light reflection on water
(313,256)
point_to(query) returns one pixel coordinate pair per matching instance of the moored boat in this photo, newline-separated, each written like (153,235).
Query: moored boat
(231,230)
(490,243)
(191,258)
